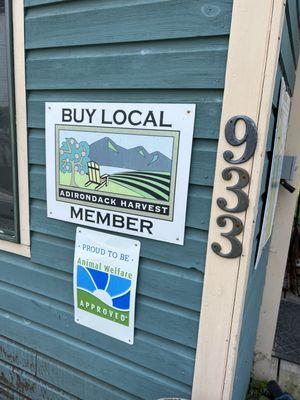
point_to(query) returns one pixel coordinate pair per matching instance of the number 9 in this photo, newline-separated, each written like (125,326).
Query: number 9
(250,138)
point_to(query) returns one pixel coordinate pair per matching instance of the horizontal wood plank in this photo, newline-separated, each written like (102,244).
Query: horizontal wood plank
(16,355)
(7,393)
(190,255)
(208,104)
(145,384)
(198,207)
(156,280)
(78,25)
(76,382)
(153,316)
(28,385)
(59,287)
(31,3)
(185,64)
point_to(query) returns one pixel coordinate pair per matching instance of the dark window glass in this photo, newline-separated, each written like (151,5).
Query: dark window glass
(8,195)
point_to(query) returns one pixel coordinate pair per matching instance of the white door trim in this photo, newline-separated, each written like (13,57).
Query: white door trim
(264,365)
(250,78)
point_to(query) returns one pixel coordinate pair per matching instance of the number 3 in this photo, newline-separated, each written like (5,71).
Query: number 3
(236,246)
(243,200)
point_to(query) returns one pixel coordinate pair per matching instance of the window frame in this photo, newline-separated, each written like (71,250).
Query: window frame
(14,235)
(16,9)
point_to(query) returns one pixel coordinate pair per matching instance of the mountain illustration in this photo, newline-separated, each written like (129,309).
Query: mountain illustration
(106,152)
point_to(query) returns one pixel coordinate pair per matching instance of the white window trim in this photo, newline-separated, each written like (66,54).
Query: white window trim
(22,248)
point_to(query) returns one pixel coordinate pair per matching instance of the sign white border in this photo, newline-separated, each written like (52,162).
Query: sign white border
(180,116)
(87,239)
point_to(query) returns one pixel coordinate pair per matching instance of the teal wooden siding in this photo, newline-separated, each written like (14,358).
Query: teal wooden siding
(287,64)
(113,51)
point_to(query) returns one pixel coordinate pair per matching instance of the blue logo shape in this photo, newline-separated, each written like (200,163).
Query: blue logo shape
(111,289)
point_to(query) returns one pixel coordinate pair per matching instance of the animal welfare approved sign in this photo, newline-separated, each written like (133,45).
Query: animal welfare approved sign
(105,277)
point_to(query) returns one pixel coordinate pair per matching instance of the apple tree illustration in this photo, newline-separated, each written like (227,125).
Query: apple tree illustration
(74,158)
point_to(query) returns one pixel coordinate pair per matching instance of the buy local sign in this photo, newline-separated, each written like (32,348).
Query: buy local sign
(120,167)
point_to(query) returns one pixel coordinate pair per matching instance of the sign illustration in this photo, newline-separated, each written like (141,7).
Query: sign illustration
(105,275)
(123,168)
(128,179)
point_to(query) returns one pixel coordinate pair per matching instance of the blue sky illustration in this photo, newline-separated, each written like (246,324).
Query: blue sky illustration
(164,144)
(107,287)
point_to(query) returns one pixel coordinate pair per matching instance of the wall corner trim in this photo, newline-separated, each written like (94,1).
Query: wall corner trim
(253,53)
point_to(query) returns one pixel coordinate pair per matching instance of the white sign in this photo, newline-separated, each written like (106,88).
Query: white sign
(105,276)
(120,167)
(276,168)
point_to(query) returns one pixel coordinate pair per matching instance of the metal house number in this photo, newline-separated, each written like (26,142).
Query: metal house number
(250,140)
